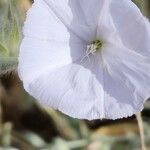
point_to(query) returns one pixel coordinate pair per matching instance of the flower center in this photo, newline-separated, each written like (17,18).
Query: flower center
(92,48)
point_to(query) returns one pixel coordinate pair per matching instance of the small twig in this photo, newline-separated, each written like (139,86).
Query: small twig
(141,130)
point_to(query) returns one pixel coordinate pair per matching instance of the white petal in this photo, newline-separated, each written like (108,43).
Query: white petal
(79,16)
(46,44)
(43,24)
(37,56)
(133,27)
(72,89)
(126,81)
(106,29)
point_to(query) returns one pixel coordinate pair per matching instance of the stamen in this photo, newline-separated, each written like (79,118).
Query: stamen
(92,48)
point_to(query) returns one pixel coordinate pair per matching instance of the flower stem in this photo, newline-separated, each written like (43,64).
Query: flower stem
(1,90)
(141,130)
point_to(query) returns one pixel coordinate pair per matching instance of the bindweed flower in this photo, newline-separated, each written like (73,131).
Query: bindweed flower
(87,58)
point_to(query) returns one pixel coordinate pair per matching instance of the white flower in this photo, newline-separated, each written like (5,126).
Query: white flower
(87,58)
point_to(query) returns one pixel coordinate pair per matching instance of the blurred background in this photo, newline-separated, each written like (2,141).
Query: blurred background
(25,125)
